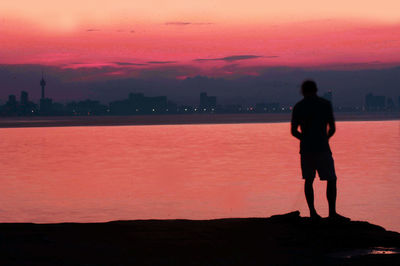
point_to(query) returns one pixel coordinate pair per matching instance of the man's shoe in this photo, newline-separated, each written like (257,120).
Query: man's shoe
(315,217)
(338,218)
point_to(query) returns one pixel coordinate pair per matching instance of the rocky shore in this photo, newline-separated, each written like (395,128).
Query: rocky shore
(279,240)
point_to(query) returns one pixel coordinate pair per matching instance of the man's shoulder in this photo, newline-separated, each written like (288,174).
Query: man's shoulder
(299,104)
(314,101)
(324,101)
(297,110)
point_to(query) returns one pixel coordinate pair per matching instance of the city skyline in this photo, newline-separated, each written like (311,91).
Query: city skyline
(275,85)
(138,103)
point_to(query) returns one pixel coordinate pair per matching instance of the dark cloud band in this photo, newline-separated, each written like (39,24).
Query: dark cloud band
(234,58)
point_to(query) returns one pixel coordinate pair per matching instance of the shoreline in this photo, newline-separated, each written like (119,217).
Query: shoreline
(179,119)
(286,239)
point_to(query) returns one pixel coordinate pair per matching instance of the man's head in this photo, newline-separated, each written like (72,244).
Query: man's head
(309,88)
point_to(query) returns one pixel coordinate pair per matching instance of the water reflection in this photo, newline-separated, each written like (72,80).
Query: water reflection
(190,171)
(368,251)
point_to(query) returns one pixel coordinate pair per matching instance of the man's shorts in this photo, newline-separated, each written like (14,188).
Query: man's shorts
(321,162)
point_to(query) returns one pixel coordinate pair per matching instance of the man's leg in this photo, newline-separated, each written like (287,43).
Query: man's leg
(309,192)
(331,196)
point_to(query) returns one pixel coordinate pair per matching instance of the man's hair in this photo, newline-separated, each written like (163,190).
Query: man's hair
(309,87)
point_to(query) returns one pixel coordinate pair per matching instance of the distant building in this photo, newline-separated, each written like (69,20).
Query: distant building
(374,102)
(26,107)
(172,107)
(137,103)
(390,106)
(143,104)
(46,104)
(261,108)
(24,99)
(207,103)
(87,107)
(233,108)
(185,109)
(11,105)
(43,85)
(268,108)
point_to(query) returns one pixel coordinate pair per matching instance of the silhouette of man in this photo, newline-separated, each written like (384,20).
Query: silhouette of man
(314,115)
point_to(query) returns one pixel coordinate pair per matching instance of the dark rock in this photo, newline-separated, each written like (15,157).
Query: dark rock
(279,240)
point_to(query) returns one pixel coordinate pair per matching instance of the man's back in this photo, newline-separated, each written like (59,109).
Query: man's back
(313,114)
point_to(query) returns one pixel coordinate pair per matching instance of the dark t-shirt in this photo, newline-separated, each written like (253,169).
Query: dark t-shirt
(313,115)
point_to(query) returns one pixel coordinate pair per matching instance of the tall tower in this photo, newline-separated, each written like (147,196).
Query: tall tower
(42,84)
(46,104)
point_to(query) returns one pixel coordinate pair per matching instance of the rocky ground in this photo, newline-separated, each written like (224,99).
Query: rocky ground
(279,240)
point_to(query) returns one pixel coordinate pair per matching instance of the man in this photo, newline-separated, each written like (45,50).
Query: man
(314,115)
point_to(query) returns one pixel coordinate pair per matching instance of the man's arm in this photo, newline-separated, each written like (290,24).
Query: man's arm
(295,124)
(332,128)
(331,122)
(295,130)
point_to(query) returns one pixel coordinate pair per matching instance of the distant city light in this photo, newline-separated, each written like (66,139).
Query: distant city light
(158,105)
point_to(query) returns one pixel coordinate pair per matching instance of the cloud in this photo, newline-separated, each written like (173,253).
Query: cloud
(91,30)
(128,64)
(132,31)
(185,23)
(177,23)
(161,62)
(233,58)
(86,65)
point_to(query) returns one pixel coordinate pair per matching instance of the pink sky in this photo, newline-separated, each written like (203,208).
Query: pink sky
(134,35)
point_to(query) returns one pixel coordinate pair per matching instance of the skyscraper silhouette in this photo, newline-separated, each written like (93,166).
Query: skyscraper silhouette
(46,104)
(42,84)
(207,103)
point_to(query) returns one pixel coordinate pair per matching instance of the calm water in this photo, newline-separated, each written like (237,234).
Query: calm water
(86,174)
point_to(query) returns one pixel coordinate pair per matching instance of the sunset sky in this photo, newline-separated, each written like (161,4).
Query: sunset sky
(143,34)
(102,39)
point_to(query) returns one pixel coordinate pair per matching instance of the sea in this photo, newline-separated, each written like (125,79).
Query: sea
(203,171)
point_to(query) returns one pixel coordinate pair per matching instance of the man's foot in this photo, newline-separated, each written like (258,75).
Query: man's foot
(338,218)
(315,217)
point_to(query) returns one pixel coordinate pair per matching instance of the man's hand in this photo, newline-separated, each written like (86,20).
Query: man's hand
(295,132)
(332,128)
